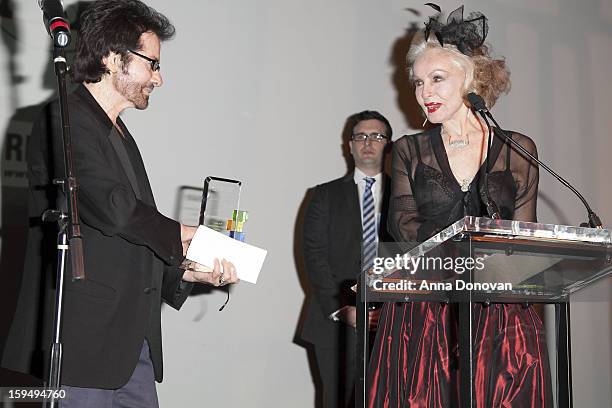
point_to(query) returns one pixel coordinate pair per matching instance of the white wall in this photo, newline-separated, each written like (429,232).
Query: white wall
(259,91)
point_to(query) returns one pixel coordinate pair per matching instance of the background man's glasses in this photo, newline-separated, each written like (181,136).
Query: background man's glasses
(154,63)
(372,137)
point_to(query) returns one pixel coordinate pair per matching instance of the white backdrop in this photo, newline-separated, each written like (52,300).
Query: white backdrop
(259,91)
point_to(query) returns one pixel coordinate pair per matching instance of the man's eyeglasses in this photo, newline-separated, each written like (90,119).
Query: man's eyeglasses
(154,63)
(372,137)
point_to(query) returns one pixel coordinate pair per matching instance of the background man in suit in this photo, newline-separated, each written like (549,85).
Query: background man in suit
(133,255)
(342,216)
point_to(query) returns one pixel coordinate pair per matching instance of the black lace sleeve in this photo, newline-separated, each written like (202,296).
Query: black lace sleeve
(526,176)
(404,222)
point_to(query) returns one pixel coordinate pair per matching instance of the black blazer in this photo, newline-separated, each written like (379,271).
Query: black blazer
(332,253)
(131,250)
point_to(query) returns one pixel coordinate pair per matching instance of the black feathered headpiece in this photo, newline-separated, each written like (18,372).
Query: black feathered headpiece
(467,35)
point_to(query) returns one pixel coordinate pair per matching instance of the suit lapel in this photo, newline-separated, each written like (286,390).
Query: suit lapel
(351,201)
(137,177)
(138,165)
(126,163)
(384,209)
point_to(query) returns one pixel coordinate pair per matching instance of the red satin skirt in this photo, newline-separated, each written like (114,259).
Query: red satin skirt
(415,358)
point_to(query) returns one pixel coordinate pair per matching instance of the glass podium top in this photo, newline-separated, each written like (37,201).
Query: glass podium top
(481,259)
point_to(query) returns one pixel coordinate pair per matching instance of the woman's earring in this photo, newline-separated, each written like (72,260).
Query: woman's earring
(424,123)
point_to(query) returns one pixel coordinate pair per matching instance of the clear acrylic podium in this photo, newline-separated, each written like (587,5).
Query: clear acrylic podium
(515,262)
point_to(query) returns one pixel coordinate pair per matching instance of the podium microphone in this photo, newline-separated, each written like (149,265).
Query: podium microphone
(55,22)
(479,105)
(492,208)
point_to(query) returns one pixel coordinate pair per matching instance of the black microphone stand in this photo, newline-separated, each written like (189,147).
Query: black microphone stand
(594,221)
(492,208)
(478,104)
(69,239)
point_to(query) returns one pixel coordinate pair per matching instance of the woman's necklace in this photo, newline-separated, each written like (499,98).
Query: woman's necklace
(457,143)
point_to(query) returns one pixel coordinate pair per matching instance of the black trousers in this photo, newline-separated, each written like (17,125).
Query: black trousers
(336,367)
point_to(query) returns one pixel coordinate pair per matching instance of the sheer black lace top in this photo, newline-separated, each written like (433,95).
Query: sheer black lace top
(426,197)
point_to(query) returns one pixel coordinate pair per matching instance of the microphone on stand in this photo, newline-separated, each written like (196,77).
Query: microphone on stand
(492,208)
(55,22)
(479,105)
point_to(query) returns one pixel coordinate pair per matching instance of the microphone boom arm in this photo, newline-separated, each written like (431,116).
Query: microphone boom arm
(594,221)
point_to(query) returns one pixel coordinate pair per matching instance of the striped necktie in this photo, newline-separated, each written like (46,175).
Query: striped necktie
(368,226)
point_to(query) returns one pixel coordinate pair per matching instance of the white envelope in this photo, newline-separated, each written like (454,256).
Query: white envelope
(208,244)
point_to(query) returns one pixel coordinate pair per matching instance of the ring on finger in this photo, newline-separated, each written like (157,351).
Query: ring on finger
(221,280)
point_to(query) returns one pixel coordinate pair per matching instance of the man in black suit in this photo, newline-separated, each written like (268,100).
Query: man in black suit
(334,227)
(111,332)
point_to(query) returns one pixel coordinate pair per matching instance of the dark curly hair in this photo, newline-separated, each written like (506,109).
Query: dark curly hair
(114,26)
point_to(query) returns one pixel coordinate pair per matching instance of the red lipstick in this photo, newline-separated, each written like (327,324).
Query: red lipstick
(432,106)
